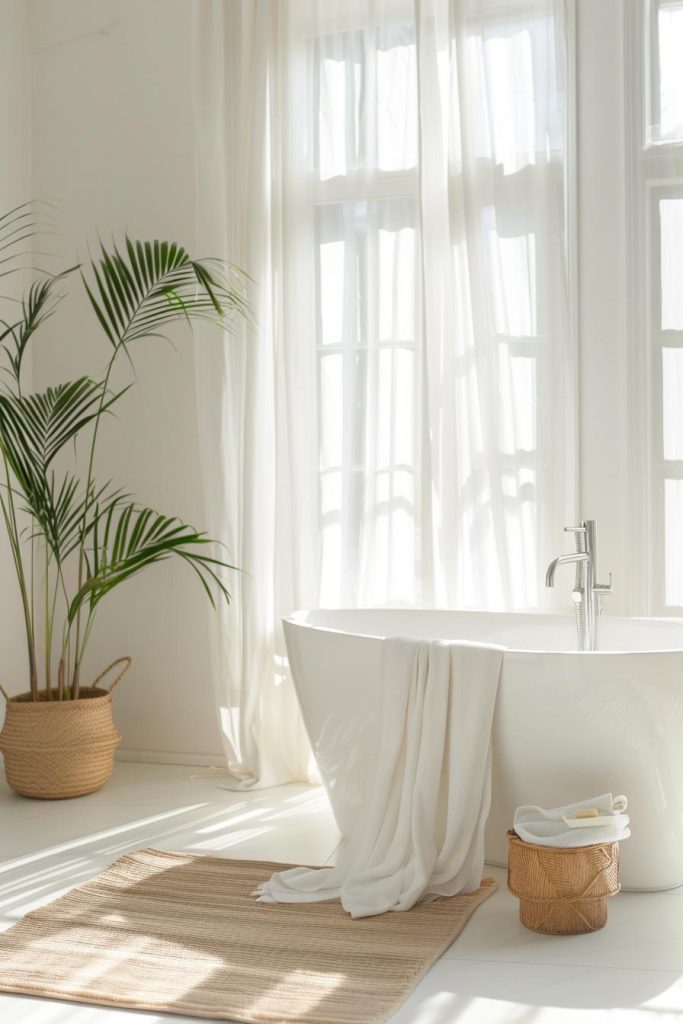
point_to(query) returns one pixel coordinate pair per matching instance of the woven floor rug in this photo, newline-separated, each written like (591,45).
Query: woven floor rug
(180,933)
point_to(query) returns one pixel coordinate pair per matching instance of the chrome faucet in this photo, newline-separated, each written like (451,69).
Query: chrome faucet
(586,593)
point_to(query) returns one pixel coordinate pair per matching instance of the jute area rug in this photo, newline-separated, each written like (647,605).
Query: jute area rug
(181,933)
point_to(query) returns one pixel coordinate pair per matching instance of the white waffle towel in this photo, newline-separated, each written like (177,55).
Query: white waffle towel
(546,827)
(421,833)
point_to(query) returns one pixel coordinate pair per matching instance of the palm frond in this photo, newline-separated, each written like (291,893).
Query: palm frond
(126,538)
(17,227)
(140,292)
(59,509)
(37,306)
(34,428)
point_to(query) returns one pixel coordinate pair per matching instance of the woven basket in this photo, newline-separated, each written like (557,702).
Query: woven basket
(562,891)
(56,749)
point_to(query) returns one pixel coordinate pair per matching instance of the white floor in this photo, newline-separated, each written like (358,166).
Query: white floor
(630,972)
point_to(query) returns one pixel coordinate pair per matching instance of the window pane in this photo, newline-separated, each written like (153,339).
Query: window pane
(339,70)
(341,231)
(396,98)
(366,101)
(512,276)
(392,539)
(396,283)
(512,65)
(672,403)
(366,271)
(331,292)
(331,523)
(331,411)
(673,542)
(670,37)
(395,400)
(517,402)
(508,65)
(520,514)
(671,263)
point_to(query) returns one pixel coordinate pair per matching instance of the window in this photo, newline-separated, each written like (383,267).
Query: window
(444,354)
(657,216)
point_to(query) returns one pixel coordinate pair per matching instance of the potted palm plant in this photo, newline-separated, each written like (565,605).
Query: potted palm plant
(73,539)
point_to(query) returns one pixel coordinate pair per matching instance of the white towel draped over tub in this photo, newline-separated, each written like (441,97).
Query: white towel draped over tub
(421,833)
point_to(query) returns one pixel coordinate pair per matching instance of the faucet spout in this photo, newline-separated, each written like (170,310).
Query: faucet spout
(587,592)
(577,556)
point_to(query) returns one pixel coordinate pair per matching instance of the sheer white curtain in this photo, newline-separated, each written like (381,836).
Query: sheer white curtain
(398,426)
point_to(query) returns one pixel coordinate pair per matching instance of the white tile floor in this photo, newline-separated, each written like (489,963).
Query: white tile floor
(497,971)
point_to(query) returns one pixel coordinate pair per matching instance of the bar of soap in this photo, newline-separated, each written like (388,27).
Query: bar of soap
(586,812)
(600,819)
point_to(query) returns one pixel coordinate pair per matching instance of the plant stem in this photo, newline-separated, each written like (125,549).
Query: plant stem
(66,637)
(16,555)
(48,626)
(15,544)
(86,636)
(50,618)
(32,578)
(75,683)
(60,679)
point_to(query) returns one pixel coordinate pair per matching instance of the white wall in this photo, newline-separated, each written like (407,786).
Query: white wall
(15,188)
(112,139)
(15,103)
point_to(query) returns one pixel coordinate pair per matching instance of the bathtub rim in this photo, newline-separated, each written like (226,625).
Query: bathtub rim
(295,618)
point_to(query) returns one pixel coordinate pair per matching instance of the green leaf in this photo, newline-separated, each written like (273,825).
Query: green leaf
(37,306)
(17,226)
(44,422)
(33,430)
(139,292)
(126,538)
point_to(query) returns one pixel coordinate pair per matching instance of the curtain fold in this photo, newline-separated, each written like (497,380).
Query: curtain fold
(397,427)
(238,218)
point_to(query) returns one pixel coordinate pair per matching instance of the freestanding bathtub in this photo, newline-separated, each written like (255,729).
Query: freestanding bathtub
(567,725)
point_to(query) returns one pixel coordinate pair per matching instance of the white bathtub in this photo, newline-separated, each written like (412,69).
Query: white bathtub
(567,725)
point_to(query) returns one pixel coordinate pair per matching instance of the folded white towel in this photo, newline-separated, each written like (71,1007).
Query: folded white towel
(547,828)
(421,833)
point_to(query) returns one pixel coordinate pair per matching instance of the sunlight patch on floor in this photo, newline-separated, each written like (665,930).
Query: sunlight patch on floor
(96,837)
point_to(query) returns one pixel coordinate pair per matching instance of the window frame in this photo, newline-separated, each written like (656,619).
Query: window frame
(651,175)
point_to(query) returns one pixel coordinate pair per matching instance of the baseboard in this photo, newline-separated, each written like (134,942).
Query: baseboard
(167,757)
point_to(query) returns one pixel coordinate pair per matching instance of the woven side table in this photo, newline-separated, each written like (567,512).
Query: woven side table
(562,891)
